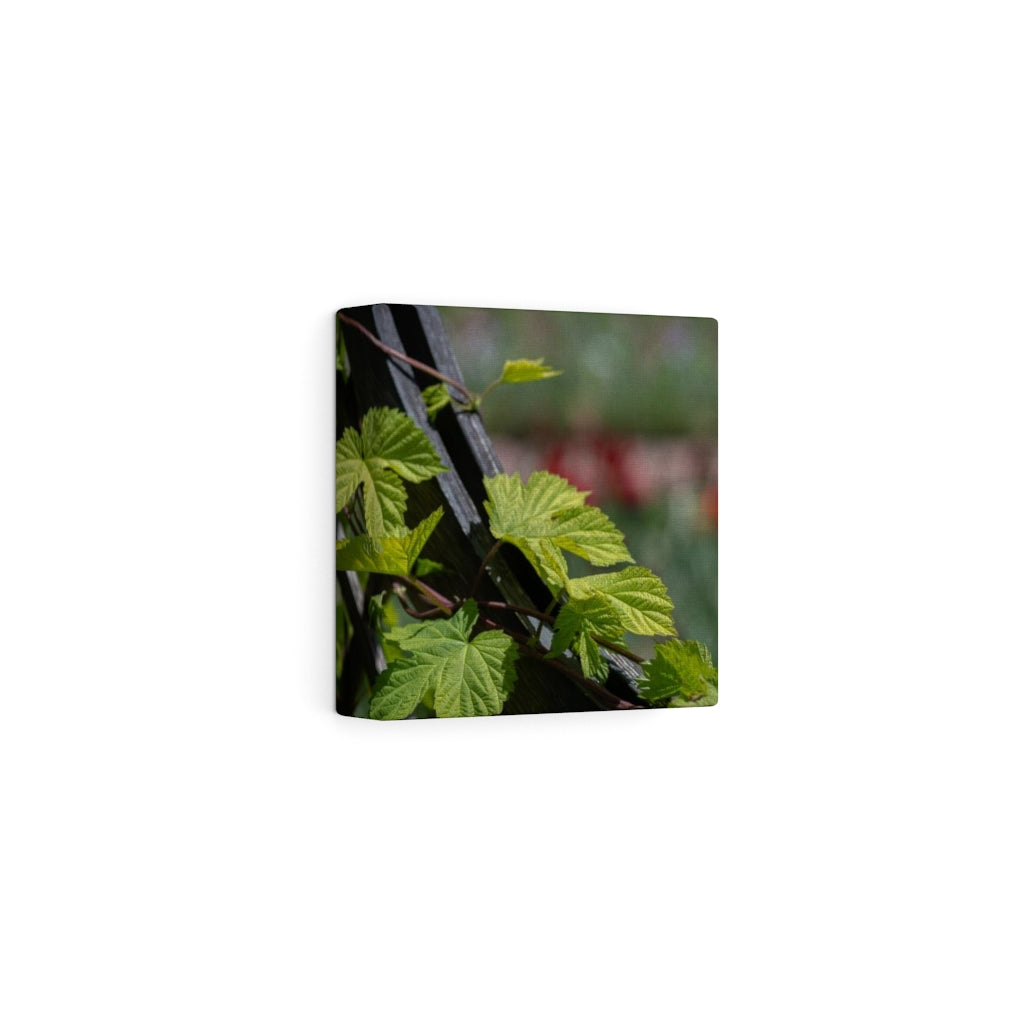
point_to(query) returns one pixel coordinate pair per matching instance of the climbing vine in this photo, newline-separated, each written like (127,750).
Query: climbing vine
(452,659)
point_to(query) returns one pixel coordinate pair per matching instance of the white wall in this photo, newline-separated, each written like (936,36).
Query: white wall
(191,833)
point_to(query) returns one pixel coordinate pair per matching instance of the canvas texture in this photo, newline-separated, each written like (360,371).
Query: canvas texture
(527,512)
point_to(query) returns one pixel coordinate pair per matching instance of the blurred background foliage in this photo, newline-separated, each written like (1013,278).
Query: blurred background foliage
(633,419)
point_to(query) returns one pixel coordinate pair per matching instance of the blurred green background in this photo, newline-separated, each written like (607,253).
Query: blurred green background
(633,418)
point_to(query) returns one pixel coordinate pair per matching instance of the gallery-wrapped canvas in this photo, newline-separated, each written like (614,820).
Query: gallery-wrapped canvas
(527,512)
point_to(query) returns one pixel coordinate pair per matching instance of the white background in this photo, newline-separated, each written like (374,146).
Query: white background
(190,833)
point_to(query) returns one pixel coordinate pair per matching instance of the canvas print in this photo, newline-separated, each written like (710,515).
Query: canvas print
(527,512)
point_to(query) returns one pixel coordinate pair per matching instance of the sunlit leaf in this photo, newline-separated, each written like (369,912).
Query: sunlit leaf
(441,665)
(435,398)
(547,516)
(393,441)
(636,594)
(428,567)
(681,674)
(389,447)
(581,622)
(521,371)
(393,554)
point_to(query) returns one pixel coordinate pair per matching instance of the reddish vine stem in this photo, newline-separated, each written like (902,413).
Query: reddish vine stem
(409,610)
(434,597)
(406,359)
(519,609)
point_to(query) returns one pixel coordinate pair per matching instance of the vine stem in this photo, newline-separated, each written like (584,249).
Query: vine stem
(486,391)
(409,610)
(519,609)
(407,359)
(483,565)
(434,597)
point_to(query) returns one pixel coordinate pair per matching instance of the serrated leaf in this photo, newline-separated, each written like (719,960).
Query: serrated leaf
(441,665)
(521,371)
(636,594)
(435,398)
(393,554)
(348,466)
(681,673)
(392,440)
(384,501)
(390,447)
(546,516)
(384,498)
(580,622)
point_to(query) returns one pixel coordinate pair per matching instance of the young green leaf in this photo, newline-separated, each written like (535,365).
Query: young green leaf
(580,622)
(435,398)
(394,554)
(636,595)
(428,567)
(390,446)
(546,516)
(443,666)
(391,439)
(521,371)
(348,466)
(681,673)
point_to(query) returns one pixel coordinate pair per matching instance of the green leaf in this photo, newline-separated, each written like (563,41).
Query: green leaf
(381,612)
(393,554)
(428,567)
(442,666)
(580,622)
(636,594)
(546,516)
(383,501)
(393,441)
(383,493)
(435,398)
(681,673)
(348,466)
(390,447)
(520,371)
